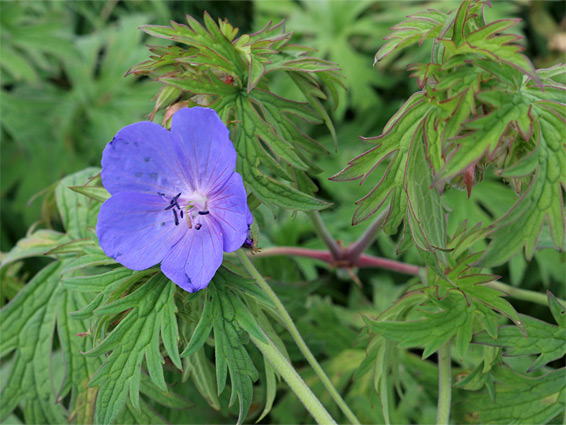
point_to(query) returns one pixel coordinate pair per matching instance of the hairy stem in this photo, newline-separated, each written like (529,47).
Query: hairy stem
(325,235)
(284,315)
(444,384)
(294,380)
(384,263)
(356,249)
(522,294)
(362,261)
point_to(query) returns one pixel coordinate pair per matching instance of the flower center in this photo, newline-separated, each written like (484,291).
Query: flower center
(197,201)
(190,208)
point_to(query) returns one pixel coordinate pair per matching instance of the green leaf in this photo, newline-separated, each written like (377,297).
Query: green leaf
(415,29)
(557,309)
(165,398)
(228,76)
(541,202)
(28,323)
(74,247)
(548,74)
(485,42)
(77,212)
(96,283)
(108,287)
(485,132)
(28,47)
(36,244)
(431,332)
(202,372)
(395,141)
(141,416)
(542,338)
(75,340)
(202,330)
(341,32)
(425,214)
(88,260)
(518,399)
(99,194)
(230,354)
(230,318)
(136,337)
(459,30)
(472,285)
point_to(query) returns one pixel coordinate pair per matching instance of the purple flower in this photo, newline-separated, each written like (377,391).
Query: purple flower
(176,198)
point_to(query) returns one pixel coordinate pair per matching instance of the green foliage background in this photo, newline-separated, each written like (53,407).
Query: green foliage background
(63,98)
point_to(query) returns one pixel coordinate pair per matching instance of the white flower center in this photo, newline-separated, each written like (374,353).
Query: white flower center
(197,201)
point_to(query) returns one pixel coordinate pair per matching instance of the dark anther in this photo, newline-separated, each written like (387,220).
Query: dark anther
(176,218)
(160,193)
(203,212)
(173,202)
(198,226)
(181,211)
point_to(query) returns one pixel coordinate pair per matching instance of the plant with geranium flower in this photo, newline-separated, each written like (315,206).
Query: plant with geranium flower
(158,285)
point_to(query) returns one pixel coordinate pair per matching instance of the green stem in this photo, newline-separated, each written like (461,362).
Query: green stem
(284,315)
(294,380)
(522,294)
(325,235)
(357,249)
(444,384)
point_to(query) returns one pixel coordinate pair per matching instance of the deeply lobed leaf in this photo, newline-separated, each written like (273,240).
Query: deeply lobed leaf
(229,74)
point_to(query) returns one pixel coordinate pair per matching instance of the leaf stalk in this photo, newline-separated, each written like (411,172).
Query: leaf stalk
(362,261)
(522,294)
(286,318)
(294,380)
(325,235)
(355,250)
(444,384)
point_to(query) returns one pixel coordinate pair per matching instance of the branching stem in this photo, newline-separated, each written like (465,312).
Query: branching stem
(355,250)
(362,261)
(387,264)
(286,318)
(325,235)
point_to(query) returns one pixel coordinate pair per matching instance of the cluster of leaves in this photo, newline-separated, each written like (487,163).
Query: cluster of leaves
(482,104)
(98,307)
(349,33)
(149,347)
(461,310)
(342,32)
(63,97)
(233,79)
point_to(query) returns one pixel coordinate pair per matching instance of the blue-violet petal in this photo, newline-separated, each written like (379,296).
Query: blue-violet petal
(204,144)
(229,207)
(135,230)
(193,261)
(139,159)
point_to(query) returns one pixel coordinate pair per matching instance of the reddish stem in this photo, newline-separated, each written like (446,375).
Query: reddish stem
(345,262)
